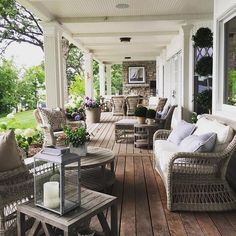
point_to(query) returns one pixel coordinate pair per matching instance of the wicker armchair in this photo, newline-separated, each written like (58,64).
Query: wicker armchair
(197,181)
(16,186)
(132,103)
(118,105)
(165,122)
(50,136)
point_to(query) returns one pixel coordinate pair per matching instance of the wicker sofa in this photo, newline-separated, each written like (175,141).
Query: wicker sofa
(196,181)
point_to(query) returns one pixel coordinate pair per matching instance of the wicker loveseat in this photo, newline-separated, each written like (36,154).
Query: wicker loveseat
(196,181)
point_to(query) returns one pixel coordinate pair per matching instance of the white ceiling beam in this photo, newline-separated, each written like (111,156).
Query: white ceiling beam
(121,51)
(132,44)
(119,34)
(133,58)
(123,54)
(171,17)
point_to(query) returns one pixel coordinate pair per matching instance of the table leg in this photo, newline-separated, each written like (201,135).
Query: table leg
(114,226)
(104,224)
(20,224)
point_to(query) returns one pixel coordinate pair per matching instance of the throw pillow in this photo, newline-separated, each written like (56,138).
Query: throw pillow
(161,104)
(9,156)
(158,115)
(54,117)
(181,131)
(198,143)
(224,132)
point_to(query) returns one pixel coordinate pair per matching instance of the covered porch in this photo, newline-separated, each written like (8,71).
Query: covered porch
(154,36)
(160,34)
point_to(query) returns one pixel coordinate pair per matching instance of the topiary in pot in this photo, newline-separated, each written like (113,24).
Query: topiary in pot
(150,115)
(140,112)
(204,101)
(204,66)
(203,38)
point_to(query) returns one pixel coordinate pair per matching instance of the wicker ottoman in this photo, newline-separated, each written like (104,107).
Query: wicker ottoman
(124,129)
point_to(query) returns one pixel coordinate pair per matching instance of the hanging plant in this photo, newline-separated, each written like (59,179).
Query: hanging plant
(203,38)
(204,66)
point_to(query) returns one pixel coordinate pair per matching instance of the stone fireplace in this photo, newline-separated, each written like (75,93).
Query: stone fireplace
(142,89)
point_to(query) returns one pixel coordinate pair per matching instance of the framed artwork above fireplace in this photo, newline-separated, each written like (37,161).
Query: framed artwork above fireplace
(136,75)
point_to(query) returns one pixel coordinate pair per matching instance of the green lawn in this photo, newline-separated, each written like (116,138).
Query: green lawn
(24,120)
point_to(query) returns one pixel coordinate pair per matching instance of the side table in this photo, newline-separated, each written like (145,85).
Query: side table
(143,134)
(92,204)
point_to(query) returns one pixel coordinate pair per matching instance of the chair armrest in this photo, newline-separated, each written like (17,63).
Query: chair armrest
(161,134)
(22,153)
(209,163)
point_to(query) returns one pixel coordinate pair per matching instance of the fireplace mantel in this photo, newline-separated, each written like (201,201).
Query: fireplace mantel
(136,85)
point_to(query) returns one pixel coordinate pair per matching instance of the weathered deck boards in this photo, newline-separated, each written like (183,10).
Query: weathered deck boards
(141,194)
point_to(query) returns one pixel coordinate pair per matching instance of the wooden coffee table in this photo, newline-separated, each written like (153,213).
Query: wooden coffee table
(92,204)
(94,174)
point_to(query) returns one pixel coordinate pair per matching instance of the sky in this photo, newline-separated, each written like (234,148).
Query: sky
(24,54)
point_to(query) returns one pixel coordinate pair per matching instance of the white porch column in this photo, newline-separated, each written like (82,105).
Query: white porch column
(108,77)
(187,76)
(54,69)
(88,71)
(102,79)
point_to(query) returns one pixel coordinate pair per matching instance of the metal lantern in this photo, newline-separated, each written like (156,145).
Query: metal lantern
(56,185)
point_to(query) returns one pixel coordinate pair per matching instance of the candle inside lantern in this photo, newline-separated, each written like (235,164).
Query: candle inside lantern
(51,194)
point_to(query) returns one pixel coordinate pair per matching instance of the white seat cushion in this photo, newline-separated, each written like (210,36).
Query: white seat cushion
(164,151)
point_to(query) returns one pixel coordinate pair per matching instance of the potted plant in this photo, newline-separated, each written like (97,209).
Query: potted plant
(77,139)
(140,113)
(204,66)
(150,115)
(203,38)
(92,109)
(204,101)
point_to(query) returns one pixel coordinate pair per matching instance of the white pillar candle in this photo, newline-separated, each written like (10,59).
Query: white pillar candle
(51,194)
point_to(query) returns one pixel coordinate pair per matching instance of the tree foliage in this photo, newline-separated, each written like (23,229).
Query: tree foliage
(30,88)
(96,85)
(74,63)
(8,84)
(117,79)
(17,24)
(77,87)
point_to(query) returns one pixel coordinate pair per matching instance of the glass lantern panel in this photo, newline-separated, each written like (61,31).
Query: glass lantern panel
(72,188)
(47,185)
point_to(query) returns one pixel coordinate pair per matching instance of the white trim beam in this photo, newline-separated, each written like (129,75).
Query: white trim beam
(173,17)
(132,44)
(120,34)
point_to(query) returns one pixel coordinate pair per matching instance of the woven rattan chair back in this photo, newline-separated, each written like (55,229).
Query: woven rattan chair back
(118,103)
(132,103)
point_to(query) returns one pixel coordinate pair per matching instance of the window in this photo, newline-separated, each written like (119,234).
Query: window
(230,62)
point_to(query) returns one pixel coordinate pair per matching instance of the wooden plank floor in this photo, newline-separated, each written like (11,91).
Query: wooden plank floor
(141,194)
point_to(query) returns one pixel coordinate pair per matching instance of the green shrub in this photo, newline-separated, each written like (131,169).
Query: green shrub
(203,38)
(151,114)
(204,66)
(140,111)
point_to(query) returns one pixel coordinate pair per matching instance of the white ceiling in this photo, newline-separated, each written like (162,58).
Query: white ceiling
(98,24)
